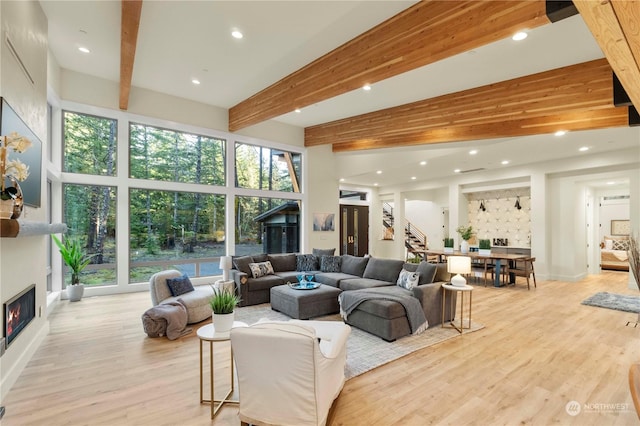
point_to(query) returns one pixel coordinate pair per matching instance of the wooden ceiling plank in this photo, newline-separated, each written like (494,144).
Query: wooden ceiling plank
(130,23)
(420,35)
(576,87)
(572,121)
(614,25)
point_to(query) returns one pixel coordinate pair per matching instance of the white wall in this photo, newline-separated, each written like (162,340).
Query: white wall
(612,209)
(23,260)
(321,196)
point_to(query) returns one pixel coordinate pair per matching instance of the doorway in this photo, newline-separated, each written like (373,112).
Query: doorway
(354,230)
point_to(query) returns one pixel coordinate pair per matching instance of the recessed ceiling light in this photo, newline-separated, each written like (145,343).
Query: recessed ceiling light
(584,148)
(366,87)
(520,35)
(379,172)
(473,152)
(413,178)
(84,49)
(341,179)
(298,110)
(375,184)
(195,81)
(504,162)
(456,171)
(236,34)
(611,183)
(423,163)
(560,133)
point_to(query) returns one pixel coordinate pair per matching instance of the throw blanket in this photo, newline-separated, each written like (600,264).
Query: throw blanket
(349,300)
(171,316)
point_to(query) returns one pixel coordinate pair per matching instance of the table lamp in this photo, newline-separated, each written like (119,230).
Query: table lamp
(225,265)
(459,265)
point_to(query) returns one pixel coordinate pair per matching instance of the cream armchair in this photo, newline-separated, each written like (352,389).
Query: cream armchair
(289,372)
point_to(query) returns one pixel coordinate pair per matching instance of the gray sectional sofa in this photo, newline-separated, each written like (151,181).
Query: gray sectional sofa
(384,318)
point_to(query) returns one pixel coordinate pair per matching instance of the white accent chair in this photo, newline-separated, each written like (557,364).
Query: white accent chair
(289,372)
(196,301)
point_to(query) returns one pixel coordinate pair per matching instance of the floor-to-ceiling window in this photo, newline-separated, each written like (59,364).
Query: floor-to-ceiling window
(162,190)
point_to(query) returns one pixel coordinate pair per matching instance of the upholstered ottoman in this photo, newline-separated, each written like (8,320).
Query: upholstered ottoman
(305,304)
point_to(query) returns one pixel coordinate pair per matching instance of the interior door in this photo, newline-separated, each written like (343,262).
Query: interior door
(354,230)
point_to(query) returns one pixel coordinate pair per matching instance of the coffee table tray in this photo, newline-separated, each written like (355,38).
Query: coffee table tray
(304,285)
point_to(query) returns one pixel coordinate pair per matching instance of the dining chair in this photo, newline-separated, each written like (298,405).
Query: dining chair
(524,268)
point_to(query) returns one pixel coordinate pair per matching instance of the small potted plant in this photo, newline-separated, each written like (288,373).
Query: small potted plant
(76,259)
(448,245)
(223,303)
(466,232)
(484,247)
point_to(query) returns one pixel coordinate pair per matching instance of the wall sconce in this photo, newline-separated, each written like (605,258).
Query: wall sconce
(482,207)
(517,205)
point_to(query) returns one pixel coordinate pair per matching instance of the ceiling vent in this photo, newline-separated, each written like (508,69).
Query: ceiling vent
(472,170)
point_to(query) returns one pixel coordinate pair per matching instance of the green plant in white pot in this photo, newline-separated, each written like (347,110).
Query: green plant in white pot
(484,247)
(223,304)
(466,232)
(448,245)
(76,259)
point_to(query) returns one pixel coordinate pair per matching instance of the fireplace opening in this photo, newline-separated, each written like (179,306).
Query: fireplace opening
(19,311)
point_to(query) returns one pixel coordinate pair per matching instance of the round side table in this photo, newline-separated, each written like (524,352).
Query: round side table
(462,290)
(207,333)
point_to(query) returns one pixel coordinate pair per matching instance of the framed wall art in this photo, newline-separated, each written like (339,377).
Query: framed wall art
(620,227)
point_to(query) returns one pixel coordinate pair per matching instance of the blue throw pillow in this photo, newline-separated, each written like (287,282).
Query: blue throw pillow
(180,285)
(330,263)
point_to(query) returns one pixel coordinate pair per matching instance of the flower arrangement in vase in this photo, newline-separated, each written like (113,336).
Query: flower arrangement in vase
(13,171)
(466,232)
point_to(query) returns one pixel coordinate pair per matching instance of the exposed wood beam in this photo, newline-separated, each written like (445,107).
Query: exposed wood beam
(420,35)
(128,39)
(570,95)
(616,27)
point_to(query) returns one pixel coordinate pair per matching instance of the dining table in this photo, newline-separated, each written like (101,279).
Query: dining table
(498,257)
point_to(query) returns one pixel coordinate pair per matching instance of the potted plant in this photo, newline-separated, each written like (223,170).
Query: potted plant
(484,247)
(466,232)
(223,303)
(76,259)
(448,245)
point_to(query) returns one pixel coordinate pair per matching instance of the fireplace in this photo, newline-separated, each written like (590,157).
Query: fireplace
(18,313)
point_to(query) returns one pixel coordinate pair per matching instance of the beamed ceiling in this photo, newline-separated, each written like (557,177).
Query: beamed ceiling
(571,98)
(270,75)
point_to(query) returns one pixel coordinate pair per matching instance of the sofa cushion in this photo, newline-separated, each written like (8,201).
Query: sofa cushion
(260,257)
(242,264)
(427,272)
(179,285)
(330,263)
(353,265)
(263,283)
(442,275)
(383,269)
(306,262)
(261,269)
(289,276)
(408,279)
(358,283)
(283,262)
(332,278)
(323,252)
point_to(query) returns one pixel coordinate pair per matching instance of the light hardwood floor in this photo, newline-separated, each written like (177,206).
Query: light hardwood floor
(539,350)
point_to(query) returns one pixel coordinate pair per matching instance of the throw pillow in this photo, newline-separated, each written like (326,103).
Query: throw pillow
(323,252)
(621,245)
(179,285)
(306,262)
(330,263)
(261,269)
(408,279)
(608,244)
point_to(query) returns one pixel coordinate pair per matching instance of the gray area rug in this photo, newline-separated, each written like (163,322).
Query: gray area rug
(619,302)
(364,351)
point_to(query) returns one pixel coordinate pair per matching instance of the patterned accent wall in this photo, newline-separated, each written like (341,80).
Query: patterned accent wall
(501,219)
